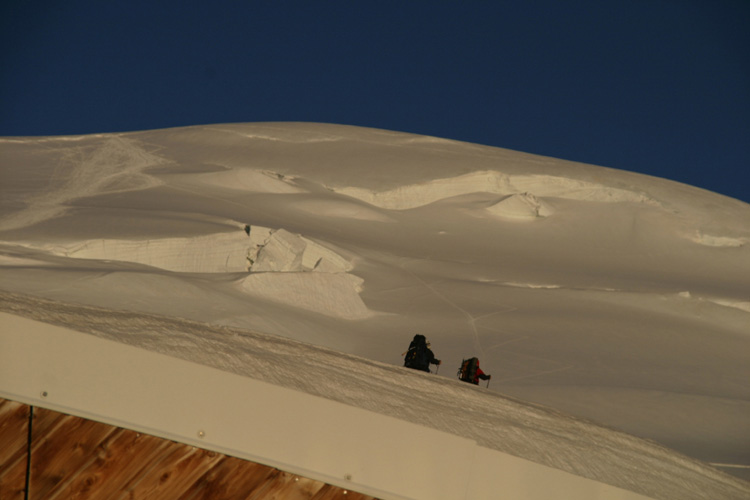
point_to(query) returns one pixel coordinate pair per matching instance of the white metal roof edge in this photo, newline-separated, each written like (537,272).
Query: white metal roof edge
(79,374)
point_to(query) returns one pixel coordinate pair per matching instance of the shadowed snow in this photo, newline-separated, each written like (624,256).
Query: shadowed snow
(535,433)
(602,293)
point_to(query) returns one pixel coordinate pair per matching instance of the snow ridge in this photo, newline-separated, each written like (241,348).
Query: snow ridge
(500,423)
(530,186)
(276,265)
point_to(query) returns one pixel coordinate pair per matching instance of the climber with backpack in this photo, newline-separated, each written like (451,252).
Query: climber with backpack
(470,372)
(419,355)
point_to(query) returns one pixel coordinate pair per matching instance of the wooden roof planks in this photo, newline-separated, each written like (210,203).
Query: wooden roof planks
(75,458)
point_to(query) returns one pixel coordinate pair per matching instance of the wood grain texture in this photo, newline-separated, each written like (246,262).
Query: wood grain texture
(77,459)
(14,431)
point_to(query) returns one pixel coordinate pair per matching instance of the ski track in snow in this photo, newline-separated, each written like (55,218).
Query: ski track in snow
(507,425)
(471,322)
(115,164)
(518,202)
(469,319)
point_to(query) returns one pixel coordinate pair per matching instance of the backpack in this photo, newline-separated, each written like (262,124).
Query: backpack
(416,356)
(468,370)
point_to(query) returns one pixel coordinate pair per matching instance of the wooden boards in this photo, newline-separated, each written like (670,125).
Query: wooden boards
(75,458)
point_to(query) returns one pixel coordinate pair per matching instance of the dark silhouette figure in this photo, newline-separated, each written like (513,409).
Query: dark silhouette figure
(419,356)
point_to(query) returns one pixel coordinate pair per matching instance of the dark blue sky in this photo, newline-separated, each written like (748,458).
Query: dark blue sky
(655,86)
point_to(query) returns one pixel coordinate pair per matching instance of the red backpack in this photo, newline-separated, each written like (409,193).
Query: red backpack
(468,370)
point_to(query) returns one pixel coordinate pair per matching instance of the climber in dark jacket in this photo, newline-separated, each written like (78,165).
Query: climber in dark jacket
(419,355)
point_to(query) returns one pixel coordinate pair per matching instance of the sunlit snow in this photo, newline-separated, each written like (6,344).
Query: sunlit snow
(308,255)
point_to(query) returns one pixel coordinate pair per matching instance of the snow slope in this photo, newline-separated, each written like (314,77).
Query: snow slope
(612,296)
(323,440)
(307,435)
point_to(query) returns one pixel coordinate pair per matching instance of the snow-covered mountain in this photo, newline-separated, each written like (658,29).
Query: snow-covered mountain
(308,255)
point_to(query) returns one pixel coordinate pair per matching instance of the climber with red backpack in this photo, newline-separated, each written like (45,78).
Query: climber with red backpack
(470,372)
